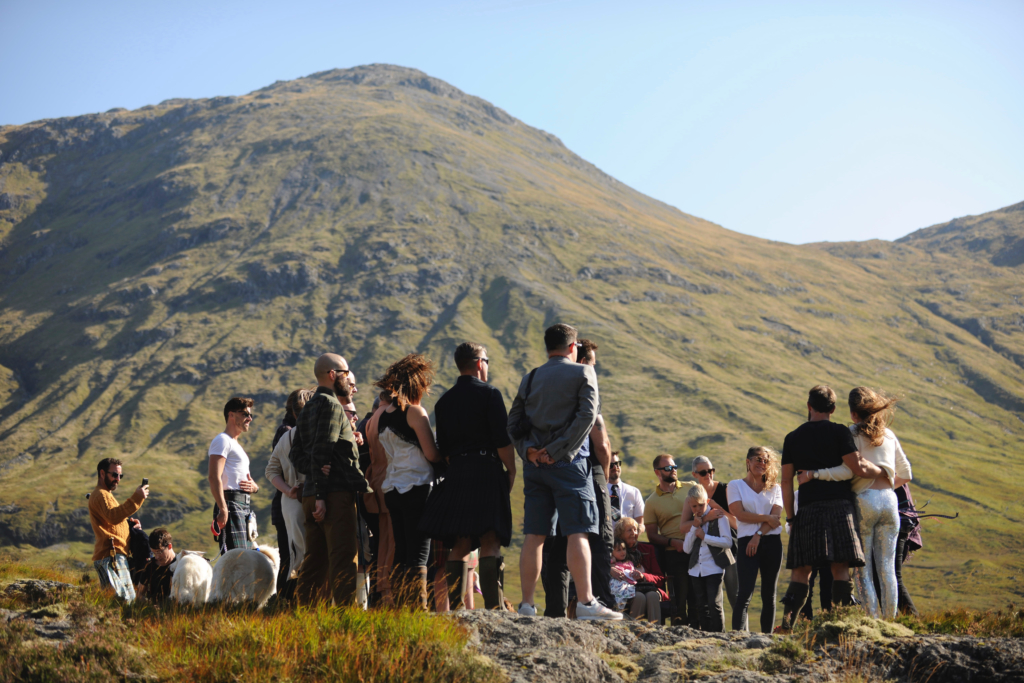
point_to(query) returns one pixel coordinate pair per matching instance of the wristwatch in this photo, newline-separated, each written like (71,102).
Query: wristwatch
(815,475)
(760,533)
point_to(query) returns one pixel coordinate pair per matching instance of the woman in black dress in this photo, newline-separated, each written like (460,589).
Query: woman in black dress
(471,508)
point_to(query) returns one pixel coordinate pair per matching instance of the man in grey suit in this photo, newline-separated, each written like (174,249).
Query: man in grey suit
(560,401)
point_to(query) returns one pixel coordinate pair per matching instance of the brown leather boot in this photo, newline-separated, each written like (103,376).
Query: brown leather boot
(419,586)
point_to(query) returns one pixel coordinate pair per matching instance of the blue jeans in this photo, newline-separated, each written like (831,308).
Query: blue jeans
(559,495)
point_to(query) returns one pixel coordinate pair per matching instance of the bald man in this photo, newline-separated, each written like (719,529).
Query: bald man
(329,500)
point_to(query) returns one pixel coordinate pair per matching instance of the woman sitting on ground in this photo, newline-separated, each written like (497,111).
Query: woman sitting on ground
(404,433)
(756,502)
(871,413)
(650,581)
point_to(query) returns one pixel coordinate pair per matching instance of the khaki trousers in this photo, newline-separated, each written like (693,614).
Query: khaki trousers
(332,548)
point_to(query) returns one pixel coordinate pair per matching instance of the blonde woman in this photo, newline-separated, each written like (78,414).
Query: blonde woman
(756,502)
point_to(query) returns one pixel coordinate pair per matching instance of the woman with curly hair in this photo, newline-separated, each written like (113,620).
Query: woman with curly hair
(403,431)
(872,412)
(756,502)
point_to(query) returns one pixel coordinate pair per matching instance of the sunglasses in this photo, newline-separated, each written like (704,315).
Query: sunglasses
(667,468)
(115,475)
(247,415)
(486,360)
(616,464)
(763,461)
(340,371)
(704,473)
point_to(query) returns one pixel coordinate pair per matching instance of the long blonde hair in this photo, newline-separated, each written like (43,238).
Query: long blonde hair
(407,381)
(875,410)
(771,476)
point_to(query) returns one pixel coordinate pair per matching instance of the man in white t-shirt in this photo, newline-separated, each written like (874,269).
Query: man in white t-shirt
(230,481)
(625,498)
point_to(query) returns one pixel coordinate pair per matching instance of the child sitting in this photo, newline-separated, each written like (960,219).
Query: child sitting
(623,589)
(709,545)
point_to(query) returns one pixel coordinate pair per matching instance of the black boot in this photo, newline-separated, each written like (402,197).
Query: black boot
(793,600)
(842,593)
(491,569)
(458,579)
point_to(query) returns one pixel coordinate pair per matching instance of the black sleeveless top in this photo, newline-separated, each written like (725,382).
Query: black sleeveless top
(398,422)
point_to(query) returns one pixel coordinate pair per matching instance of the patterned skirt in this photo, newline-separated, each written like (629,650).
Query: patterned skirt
(826,531)
(472,500)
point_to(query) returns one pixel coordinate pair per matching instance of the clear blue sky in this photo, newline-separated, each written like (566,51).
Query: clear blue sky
(793,121)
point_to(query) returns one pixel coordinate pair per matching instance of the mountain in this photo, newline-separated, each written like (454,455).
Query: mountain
(156,262)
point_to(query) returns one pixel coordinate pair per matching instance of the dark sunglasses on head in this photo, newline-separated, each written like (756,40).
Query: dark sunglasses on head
(667,468)
(115,475)
(705,472)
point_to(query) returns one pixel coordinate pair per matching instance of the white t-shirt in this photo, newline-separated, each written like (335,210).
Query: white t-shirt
(237,466)
(739,491)
(631,500)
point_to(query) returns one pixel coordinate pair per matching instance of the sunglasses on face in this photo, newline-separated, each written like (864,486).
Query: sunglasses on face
(246,415)
(115,475)
(762,461)
(667,468)
(485,360)
(340,371)
(704,473)
(616,464)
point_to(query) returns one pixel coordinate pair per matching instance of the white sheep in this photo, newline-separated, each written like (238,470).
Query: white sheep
(192,578)
(246,575)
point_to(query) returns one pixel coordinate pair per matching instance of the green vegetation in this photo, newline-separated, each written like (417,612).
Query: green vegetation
(158,261)
(219,643)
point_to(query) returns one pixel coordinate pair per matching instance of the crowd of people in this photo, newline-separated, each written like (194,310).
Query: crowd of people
(385,510)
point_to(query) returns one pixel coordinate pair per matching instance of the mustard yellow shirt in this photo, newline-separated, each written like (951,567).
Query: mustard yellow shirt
(663,510)
(110,522)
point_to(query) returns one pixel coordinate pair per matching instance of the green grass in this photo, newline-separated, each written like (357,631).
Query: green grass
(216,643)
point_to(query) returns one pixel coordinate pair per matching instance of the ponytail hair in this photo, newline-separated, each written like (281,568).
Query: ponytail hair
(407,381)
(875,411)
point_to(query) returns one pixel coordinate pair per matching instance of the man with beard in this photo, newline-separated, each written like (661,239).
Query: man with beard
(110,526)
(661,517)
(230,481)
(329,499)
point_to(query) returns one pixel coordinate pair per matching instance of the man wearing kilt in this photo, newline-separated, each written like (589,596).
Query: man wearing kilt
(471,508)
(826,530)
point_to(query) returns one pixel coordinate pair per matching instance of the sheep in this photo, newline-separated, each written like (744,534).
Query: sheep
(191,580)
(241,575)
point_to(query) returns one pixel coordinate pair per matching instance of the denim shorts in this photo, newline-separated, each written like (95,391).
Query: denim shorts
(563,496)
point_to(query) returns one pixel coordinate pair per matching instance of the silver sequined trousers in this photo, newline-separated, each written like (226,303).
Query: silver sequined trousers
(879,526)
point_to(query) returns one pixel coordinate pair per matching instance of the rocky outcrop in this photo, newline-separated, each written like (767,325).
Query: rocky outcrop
(551,650)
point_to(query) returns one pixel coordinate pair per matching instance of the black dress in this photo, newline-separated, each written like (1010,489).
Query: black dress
(473,498)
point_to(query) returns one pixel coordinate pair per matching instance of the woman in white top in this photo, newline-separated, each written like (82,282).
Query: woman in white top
(756,502)
(871,413)
(403,430)
(282,474)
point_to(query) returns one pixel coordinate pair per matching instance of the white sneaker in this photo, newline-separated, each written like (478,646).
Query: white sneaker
(527,610)
(595,611)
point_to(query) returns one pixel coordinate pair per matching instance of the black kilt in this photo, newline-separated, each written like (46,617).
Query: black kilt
(825,531)
(472,500)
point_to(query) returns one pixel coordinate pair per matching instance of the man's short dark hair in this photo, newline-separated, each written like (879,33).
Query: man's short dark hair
(106,463)
(236,404)
(558,336)
(822,399)
(160,538)
(664,456)
(587,347)
(466,354)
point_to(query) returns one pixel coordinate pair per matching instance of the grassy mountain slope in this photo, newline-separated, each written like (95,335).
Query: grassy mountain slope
(158,261)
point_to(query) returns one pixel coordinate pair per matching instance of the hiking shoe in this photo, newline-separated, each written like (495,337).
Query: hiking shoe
(595,611)
(527,610)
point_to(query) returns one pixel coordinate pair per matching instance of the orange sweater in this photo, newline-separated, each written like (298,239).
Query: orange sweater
(110,522)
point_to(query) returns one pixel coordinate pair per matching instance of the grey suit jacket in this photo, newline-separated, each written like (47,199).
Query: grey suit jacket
(562,407)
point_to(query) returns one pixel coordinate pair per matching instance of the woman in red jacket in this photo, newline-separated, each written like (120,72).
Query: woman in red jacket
(650,581)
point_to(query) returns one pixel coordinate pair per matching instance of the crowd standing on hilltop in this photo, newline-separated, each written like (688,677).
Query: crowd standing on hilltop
(384,511)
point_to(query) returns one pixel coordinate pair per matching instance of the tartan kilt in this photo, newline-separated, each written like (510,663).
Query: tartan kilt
(236,533)
(826,531)
(113,573)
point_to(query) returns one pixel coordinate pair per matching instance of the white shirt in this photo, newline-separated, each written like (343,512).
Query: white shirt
(236,466)
(889,456)
(631,500)
(407,466)
(739,491)
(706,565)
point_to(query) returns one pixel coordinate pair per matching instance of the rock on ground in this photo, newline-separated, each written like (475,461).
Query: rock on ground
(555,650)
